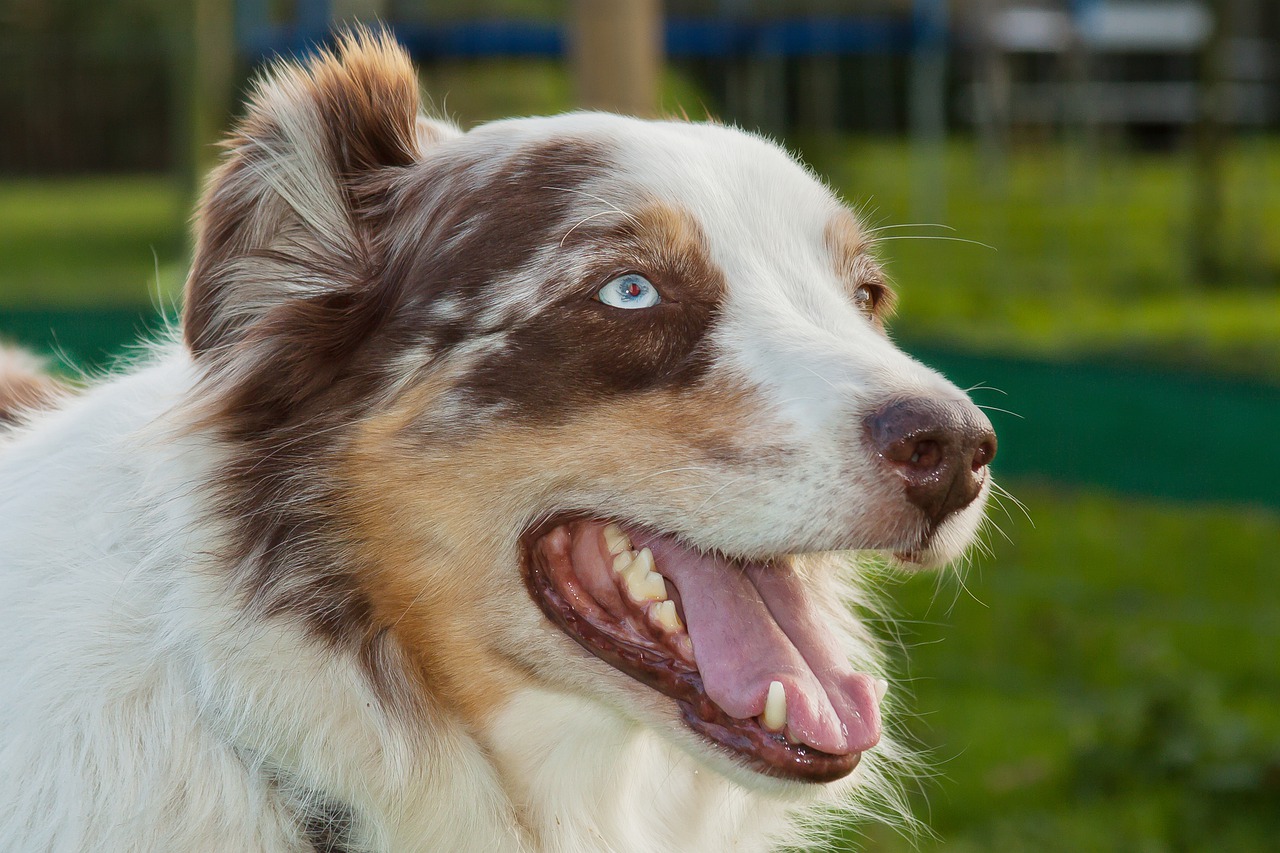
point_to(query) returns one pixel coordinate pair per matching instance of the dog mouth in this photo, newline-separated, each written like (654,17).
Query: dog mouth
(738,644)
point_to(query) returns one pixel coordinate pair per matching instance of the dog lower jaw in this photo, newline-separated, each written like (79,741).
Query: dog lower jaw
(944,543)
(638,628)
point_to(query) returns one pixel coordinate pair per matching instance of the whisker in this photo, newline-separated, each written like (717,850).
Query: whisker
(937,237)
(983,386)
(996,499)
(652,474)
(964,586)
(880,228)
(583,222)
(998,409)
(997,527)
(820,376)
(1003,492)
(718,491)
(593,197)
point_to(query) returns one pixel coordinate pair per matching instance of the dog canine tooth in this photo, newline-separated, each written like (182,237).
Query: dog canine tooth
(615,539)
(622,561)
(882,687)
(665,615)
(775,708)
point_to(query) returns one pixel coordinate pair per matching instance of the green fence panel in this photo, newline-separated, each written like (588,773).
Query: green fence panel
(83,339)
(1129,429)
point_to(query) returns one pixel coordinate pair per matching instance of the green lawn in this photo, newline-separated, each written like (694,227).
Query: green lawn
(1107,681)
(76,242)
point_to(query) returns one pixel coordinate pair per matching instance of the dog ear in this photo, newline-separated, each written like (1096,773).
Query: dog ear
(282,217)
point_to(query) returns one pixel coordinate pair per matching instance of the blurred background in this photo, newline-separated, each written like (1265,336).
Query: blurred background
(1081,207)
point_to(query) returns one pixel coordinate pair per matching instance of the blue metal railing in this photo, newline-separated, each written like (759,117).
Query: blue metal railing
(259,36)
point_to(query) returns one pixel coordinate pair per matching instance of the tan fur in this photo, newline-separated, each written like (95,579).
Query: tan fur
(24,386)
(854,263)
(673,230)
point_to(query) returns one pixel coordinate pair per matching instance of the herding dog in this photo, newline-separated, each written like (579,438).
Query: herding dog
(492,500)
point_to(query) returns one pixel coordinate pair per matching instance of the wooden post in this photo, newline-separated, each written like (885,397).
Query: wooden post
(1210,142)
(616,49)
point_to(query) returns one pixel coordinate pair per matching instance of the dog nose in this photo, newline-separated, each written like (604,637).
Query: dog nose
(939,447)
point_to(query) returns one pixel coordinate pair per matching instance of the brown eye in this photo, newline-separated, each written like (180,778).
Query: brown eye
(864,299)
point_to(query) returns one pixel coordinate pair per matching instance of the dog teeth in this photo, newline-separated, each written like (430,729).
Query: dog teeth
(775,707)
(643,583)
(637,571)
(664,613)
(651,587)
(615,539)
(643,562)
(882,687)
(683,645)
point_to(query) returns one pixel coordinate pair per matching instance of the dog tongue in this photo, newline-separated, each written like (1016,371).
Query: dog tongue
(755,625)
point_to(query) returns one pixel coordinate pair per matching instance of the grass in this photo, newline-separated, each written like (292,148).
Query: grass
(1105,682)
(91,241)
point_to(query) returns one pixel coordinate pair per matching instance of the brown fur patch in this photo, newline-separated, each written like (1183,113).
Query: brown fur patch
(24,386)
(290,372)
(578,349)
(307,311)
(307,371)
(455,229)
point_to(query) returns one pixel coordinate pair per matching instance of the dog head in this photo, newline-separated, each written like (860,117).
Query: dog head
(566,384)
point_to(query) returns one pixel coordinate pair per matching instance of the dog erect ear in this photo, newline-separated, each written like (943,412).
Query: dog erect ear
(281,221)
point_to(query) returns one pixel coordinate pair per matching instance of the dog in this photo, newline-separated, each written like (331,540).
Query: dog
(496,493)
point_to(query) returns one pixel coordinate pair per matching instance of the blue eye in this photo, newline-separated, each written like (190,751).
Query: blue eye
(629,291)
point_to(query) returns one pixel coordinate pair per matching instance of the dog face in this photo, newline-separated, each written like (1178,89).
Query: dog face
(566,385)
